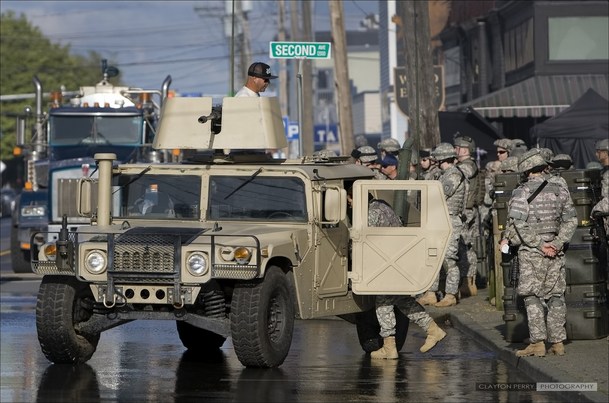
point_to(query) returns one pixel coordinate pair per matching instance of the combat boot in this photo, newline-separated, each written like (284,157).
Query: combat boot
(434,335)
(429,298)
(448,300)
(537,349)
(557,349)
(471,285)
(388,351)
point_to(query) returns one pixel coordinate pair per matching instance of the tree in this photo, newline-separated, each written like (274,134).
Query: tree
(24,53)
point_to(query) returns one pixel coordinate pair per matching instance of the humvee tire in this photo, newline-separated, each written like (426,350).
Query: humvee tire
(368,329)
(197,339)
(262,320)
(61,304)
(20,259)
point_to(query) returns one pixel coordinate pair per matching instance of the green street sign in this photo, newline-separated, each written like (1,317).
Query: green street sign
(299,50)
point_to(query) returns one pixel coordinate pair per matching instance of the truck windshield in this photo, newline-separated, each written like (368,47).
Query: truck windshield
(256,198)
(70,130)
(158,196)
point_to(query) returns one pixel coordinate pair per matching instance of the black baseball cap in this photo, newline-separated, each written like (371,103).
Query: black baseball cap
(260,70)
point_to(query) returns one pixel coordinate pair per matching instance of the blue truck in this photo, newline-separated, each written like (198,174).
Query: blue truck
(64,137)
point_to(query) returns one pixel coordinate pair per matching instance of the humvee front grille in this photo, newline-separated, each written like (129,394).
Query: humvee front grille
(234,272)
(150,253)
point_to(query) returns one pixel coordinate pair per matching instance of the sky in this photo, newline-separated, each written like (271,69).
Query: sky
(152,39)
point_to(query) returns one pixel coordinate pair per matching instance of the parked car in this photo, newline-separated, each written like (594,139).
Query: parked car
(7,201)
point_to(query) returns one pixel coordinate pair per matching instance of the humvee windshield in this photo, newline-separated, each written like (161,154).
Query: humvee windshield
(159,196)
(256,198)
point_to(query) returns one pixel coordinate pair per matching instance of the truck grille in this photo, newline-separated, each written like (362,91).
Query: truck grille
(152,253)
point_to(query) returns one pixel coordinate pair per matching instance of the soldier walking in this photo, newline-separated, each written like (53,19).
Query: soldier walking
(542,218)
(453,184)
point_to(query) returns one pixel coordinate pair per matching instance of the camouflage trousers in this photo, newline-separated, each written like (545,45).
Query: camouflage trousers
(453,275)
(407,305)
(468,258)
(542,284)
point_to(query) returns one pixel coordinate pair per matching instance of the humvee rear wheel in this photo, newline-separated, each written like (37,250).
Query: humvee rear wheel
(262,320)
(197,339)
(61,305)
(368,329)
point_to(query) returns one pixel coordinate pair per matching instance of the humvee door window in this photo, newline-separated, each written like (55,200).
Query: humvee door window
(410,213)
(256,198)
(160,196)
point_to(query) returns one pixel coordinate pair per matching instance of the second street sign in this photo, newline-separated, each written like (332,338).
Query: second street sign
(299,50)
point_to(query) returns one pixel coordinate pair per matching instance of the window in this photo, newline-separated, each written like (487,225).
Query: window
(578,38)
(86,129)
(518,45)
(382,212)
(256,198)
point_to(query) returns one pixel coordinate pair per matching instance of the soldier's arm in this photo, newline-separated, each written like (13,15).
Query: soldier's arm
(450,183)
(568,220)
(518,212)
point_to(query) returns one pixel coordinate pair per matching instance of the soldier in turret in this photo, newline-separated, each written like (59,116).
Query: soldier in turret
(542,215)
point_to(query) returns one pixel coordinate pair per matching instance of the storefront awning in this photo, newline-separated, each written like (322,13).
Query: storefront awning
(538,96)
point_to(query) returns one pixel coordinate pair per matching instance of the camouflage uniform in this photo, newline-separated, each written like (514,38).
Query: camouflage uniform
(549,218)
(472,223)
(432,174)
(453,183)
(380,214)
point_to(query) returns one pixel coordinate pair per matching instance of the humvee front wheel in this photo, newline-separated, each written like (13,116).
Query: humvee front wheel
(368,330)
(61,305)
(197,339)
(262,320)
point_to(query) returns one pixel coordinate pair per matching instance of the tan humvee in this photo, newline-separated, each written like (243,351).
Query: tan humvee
(233,245)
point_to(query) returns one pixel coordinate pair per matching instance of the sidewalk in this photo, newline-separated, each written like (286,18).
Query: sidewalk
(585,360)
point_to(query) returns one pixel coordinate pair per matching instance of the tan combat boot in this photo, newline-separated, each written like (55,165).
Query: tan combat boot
(557,349)
(434,335)
(388,351)
(471,285)
(448,300)
(429,298)
(537,349)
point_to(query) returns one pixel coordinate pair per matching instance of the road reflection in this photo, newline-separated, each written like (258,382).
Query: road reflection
(68,383)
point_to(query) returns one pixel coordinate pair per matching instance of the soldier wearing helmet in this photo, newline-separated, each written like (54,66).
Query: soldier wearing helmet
(541,220)
(453,183)
(464,147)
(504,147)
(519,147)
(429,166)
(601,209)
(367,156)
(389,146)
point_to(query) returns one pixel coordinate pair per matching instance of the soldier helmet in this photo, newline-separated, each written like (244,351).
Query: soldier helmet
(390,145)
(547,154)
(325,153)
(426,153)
(367,154)
(510,164)
(531,159)
(519,143)
(602,145)
(594,165)
(465,142)
(504,143)
(444,151)
(561,161)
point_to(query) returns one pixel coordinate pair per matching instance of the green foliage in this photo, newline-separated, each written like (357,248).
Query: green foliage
(24,53)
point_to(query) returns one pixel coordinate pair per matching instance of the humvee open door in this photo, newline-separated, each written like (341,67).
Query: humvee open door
(398,260)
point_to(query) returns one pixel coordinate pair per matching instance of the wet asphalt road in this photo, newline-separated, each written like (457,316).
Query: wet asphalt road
(145,361)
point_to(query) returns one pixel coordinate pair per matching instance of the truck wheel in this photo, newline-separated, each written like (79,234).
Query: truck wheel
(197,339)
(262,320)
(20,259)
(368,330)
(60,306)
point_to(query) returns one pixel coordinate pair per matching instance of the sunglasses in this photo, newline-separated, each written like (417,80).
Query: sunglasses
(501,152)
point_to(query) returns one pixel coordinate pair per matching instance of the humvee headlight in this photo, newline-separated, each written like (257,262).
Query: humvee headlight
(48,252)
(227,253)
(197,263)
(95,262)
(242,255)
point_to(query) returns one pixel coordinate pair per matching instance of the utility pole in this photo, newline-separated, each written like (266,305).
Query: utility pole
(307,84)
(341,74)
(423,113)
(283,74)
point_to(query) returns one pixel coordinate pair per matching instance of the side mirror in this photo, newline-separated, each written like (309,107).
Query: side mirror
(83,197)
(335,205)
